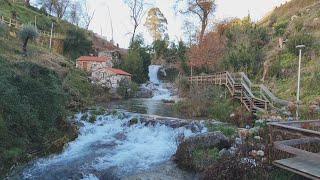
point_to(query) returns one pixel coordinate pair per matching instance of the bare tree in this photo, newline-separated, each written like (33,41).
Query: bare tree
(138,10)
(200,8)
(60,7)
(47,5)
(75,12)
(87,15)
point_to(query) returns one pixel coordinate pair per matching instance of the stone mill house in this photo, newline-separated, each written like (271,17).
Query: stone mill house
(102,73)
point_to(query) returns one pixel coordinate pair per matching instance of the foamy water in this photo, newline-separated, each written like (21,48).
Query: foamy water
(109,144)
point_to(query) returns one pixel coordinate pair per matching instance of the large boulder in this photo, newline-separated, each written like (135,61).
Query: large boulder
(184,154)
(144,92)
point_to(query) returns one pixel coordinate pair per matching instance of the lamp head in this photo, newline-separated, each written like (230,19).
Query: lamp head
(300,46)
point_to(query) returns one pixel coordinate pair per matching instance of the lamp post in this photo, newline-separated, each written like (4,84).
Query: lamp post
(300,47)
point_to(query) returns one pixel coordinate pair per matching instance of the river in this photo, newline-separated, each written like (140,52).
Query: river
(113,148)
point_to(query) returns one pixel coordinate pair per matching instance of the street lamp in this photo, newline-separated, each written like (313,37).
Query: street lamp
(300,47)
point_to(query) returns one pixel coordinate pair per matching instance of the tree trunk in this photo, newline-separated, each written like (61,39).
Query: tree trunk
(24,47)
(134,33)
(203,26)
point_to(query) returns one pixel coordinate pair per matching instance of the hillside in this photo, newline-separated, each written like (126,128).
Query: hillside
(296,22)
(26,15)
(39,91)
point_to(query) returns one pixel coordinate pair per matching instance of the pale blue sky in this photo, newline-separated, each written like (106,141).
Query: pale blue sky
(122,25)
(121,18)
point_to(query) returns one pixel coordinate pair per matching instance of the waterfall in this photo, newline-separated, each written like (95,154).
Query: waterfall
(159,92)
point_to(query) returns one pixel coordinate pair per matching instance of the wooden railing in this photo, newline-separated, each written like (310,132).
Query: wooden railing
(12,23)
(255,97)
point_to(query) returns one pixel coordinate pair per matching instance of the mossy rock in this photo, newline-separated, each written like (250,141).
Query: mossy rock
(92,118)
(84,117)
(133,121)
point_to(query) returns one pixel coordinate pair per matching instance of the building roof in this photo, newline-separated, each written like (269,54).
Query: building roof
(93,58)
(117,71)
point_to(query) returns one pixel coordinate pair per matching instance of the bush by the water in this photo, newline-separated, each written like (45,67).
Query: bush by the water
(202,102)
(32,110)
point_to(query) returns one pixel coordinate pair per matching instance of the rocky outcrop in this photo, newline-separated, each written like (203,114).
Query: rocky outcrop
(195,126)
(184,154)
(144,92)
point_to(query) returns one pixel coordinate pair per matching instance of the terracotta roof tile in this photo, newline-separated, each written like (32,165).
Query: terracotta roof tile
(118,71)
(92,58)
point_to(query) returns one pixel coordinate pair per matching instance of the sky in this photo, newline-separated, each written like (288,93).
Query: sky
(122,27)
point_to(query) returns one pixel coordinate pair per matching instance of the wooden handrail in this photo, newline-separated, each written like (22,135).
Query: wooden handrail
(229,80)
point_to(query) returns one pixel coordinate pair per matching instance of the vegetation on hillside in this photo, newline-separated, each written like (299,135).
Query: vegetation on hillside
(38,91)
(27,14)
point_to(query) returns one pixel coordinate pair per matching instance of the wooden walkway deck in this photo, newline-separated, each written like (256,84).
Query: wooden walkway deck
(300,139)
(305,167)
(255,97)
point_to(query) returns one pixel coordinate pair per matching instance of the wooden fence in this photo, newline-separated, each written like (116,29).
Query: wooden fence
(12,23)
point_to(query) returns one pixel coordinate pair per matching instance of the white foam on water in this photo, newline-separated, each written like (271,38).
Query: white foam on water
(98,148)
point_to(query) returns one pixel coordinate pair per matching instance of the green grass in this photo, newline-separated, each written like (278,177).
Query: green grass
(27,15)
(228,131)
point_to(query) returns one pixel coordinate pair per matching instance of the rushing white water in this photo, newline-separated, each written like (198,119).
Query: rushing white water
(159,92)
(109,148)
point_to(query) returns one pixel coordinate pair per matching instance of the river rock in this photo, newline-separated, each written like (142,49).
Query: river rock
(224,153)
(184,153)
(165,171)
(144,92)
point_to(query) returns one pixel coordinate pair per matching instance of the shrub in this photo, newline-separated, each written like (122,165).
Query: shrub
(92,118)
(127,89)
(3,29)
(32,104)
(183,85)
(298,39)
(280,27)
(200,102)
(76,44)
(26,33)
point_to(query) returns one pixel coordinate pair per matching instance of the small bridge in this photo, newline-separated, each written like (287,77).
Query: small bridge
(255,97)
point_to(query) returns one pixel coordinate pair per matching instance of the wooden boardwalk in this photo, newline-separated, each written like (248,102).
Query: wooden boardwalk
(301,140)
(255,97)
(309,168)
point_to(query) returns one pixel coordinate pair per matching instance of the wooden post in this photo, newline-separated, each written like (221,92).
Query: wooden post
(226,78)
(50,44)
(225,93)
(10,21)
(266,106)
(35,21)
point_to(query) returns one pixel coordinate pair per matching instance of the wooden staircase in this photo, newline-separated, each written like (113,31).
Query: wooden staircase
(255,97)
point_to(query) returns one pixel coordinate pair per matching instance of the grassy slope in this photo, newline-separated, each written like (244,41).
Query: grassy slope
(27,15)
(285,85)
(40,66)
